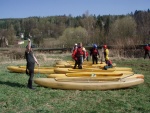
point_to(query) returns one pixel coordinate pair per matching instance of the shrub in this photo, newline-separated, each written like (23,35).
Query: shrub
(17,53)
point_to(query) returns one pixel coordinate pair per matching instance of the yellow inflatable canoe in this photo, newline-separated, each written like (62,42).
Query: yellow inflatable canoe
(17,69)
(101,78)
(84,65)
(70,70)
(40,67)
(85,74)
(94,74)
(88,85)
(72,63)
(109,77)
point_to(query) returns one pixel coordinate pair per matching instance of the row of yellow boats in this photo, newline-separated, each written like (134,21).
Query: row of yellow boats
(91,77)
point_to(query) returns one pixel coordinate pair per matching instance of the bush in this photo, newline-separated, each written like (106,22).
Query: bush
(17,53)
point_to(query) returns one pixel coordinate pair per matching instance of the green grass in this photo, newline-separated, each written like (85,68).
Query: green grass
(15,97)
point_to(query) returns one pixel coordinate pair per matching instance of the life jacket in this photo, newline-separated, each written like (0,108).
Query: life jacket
(74,54)
(95,51)
(147,48)
(109,62)
(74,48)
(79,52)
(87,54)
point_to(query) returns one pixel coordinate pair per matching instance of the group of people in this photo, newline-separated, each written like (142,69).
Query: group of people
(79,54)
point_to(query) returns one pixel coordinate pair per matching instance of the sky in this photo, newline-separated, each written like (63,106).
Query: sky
(44,8)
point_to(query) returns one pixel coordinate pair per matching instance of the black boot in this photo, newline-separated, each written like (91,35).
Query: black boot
(80,67)
(74,67)
(30,85)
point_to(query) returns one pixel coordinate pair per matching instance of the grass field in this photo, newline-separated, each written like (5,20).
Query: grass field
(15,97)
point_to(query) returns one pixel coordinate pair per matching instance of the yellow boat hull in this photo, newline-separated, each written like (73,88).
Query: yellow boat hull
(40,67)
(107,77)
(17,69)
(70,70)
(88,85)
(101,78)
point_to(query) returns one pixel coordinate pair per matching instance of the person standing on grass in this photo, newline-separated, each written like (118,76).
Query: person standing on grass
(147,51)
(94,53)
(31,60)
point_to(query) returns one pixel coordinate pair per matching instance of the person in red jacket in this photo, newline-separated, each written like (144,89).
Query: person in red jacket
(108,64)
(74,57)
(74,47)
(86,54)
(78,55)
(147,51)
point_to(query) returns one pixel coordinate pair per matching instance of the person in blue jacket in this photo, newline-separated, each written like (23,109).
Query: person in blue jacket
(94,53)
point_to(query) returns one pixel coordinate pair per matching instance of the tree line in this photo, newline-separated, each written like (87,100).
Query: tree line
(120,30)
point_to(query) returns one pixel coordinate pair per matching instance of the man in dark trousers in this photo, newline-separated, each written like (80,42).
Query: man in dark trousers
(31,60)
(147,51)
(79,56)
(74,57)
(94,53)
(108,64)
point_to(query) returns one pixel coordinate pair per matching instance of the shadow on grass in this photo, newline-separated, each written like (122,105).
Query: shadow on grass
(12,84)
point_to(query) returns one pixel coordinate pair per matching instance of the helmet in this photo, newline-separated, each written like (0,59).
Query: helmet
(75,44)
(104,46)
(95,46)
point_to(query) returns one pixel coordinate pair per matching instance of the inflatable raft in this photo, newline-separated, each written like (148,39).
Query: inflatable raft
(71,70)
(17,69)
(88,85)
(103,76)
